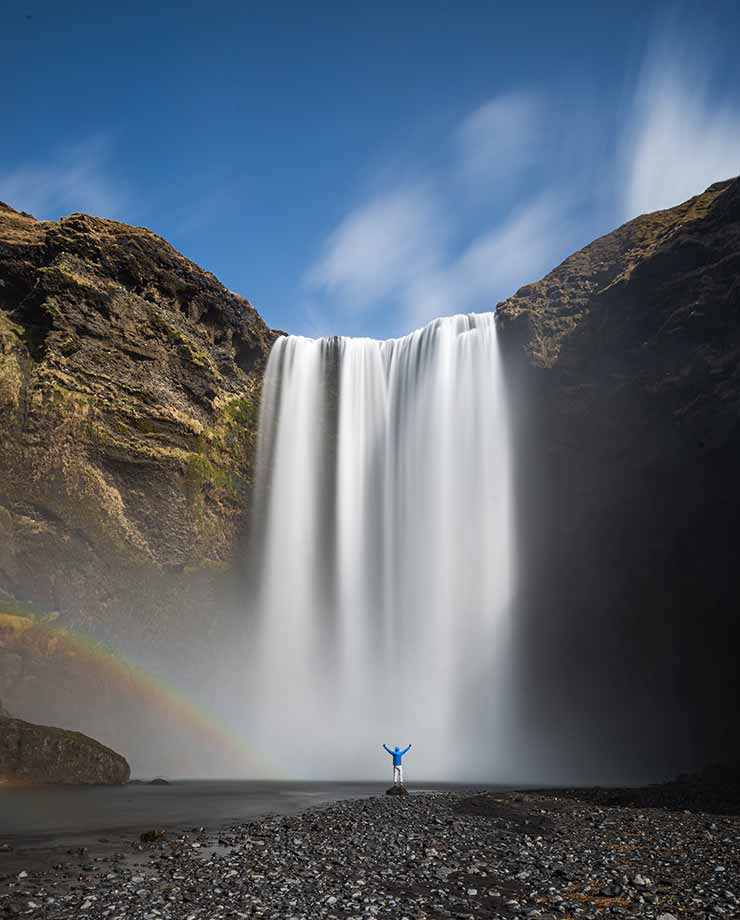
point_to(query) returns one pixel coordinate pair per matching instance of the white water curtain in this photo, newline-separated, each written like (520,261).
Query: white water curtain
(384,531)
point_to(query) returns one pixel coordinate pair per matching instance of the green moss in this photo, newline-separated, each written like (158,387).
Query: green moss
(191,351)
(201,471)
(24,609)
(212,566)
(118,435)
(198,357)
(242,411)
(8,327)
(59,395)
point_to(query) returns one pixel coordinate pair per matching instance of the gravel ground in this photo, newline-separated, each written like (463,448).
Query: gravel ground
(461,855)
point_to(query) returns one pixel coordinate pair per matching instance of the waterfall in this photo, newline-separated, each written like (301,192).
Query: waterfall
(384,540)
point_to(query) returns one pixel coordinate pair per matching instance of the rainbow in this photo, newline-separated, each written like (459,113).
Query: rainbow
(91,657)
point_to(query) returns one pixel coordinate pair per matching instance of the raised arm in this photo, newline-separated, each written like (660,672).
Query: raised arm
(387,749)
(406,750)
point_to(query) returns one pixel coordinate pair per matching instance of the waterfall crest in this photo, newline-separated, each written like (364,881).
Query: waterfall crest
(383,526)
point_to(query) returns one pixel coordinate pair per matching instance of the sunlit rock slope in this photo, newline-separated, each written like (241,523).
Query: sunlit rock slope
(129,384)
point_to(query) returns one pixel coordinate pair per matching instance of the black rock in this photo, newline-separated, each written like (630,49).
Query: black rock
(42,754)
(397,790)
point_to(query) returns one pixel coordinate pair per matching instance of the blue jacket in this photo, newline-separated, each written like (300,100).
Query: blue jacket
(396,755)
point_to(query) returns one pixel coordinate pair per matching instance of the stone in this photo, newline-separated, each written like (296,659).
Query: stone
(35,754)
(397,789)
(129,389)
(374,870)
(130,381)
(624,361)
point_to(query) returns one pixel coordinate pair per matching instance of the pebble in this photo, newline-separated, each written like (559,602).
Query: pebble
(449,856)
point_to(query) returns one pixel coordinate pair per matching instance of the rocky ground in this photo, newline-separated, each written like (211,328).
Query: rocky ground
(461,855)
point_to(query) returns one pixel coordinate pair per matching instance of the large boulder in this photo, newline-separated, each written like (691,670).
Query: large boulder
(41,754)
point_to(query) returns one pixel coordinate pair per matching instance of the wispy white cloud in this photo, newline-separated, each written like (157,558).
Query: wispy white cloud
(73,179)
(500,138)
(573,169)
(682,136)
(407,249)
(379,249)
(495,264)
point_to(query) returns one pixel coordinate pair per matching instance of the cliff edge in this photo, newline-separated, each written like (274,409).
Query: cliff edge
(129,389)
(42,754)
(624,373)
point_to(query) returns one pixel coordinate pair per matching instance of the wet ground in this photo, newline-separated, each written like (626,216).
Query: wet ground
(446,855)
(38,825)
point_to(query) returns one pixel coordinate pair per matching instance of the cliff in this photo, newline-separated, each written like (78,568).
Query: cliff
(129,388)
(624,372)
(42,754)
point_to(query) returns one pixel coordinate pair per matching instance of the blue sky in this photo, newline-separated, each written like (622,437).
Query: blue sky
(361,168)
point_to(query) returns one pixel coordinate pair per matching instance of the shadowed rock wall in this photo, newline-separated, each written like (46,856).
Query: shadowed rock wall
(40,754)
(624,369)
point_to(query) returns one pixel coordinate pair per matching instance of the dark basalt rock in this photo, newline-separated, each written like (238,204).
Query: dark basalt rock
(434,857)
(397,789)
(623,368)
(41,754)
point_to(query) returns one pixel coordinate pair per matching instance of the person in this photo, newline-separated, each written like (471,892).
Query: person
(397,756)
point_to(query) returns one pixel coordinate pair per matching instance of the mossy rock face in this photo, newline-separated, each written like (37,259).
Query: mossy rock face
(549,316)
(129,393)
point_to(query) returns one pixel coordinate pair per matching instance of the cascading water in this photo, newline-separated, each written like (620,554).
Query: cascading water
(383,527)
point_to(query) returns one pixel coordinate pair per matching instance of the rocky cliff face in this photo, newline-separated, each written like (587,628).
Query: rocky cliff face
(624,367)
(129,381)
(129,386)
(41,754)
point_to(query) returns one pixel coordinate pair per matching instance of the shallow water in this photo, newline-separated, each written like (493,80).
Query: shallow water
(56,815)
